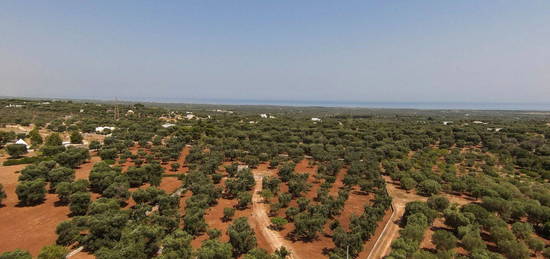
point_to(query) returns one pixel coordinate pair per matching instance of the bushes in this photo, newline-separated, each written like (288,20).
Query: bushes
(417,218)
(73,157)
(419,207)
(24,160)
(193,220)
(58,175)
(79,203)
(439,203)
(228,213)
(241,236)
(101,176)
(307,225)
(76,137)
(213,248)
(428,187)
(108,154)
(53,252)
(17,254)
(33,172)
(94,145)
(52,150)
(16,150)
(67,233)
(177,245)
(245,199)
(31,192)
(278,223)
(65,189)
(407,183)
(53,140)
(149,195)
(444,240)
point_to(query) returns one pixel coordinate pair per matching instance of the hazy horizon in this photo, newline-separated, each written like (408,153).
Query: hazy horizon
(309,51)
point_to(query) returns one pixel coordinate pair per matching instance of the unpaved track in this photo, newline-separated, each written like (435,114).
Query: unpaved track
(391,231)
(260,215)
(400,198)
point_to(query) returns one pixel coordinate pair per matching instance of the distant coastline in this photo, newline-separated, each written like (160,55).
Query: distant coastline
(505,106)
(351,104)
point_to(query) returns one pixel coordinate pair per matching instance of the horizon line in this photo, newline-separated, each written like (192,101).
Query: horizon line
(413,105)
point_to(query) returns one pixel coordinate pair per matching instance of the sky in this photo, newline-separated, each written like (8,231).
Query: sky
(337,51)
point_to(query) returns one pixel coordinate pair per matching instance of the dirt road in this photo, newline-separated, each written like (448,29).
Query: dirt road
(400,198)
(391,231)
(259,211)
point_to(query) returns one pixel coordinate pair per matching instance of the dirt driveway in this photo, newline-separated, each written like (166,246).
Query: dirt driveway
(259,212)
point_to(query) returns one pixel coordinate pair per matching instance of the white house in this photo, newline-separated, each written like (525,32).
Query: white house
(447,122)
(189,116)
(315,119)
(14,106)
(263,115)
(101,129)
(168,125)
(494,129)
(22,142)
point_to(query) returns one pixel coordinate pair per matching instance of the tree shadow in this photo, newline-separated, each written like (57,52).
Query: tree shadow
(291,236)
(363,193)
(327,251)
(60,203)
(34,204)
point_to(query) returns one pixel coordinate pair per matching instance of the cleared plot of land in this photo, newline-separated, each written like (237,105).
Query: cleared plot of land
(30,228)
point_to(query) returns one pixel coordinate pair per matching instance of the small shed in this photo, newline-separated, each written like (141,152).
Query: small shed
(22,142)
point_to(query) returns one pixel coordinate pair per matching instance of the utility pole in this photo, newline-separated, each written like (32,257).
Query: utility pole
(347,252)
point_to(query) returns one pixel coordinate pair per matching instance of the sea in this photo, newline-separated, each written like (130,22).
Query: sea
(381,105)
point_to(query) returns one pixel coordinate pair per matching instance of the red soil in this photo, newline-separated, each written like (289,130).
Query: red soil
(31,228)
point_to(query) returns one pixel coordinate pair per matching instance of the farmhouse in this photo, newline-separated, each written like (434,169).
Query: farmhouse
(101,129)
(22,142)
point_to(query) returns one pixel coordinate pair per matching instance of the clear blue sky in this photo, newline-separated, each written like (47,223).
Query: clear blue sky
(443,51)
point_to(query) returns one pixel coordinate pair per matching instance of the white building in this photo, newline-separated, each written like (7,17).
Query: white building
(22,142)
(447,122)
(101,129)
(168,125)
(14,106)
(315,119)
(479,122)
(263,115)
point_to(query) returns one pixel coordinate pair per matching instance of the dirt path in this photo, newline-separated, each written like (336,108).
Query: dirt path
(400,198)
(391,231)
(260,215)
